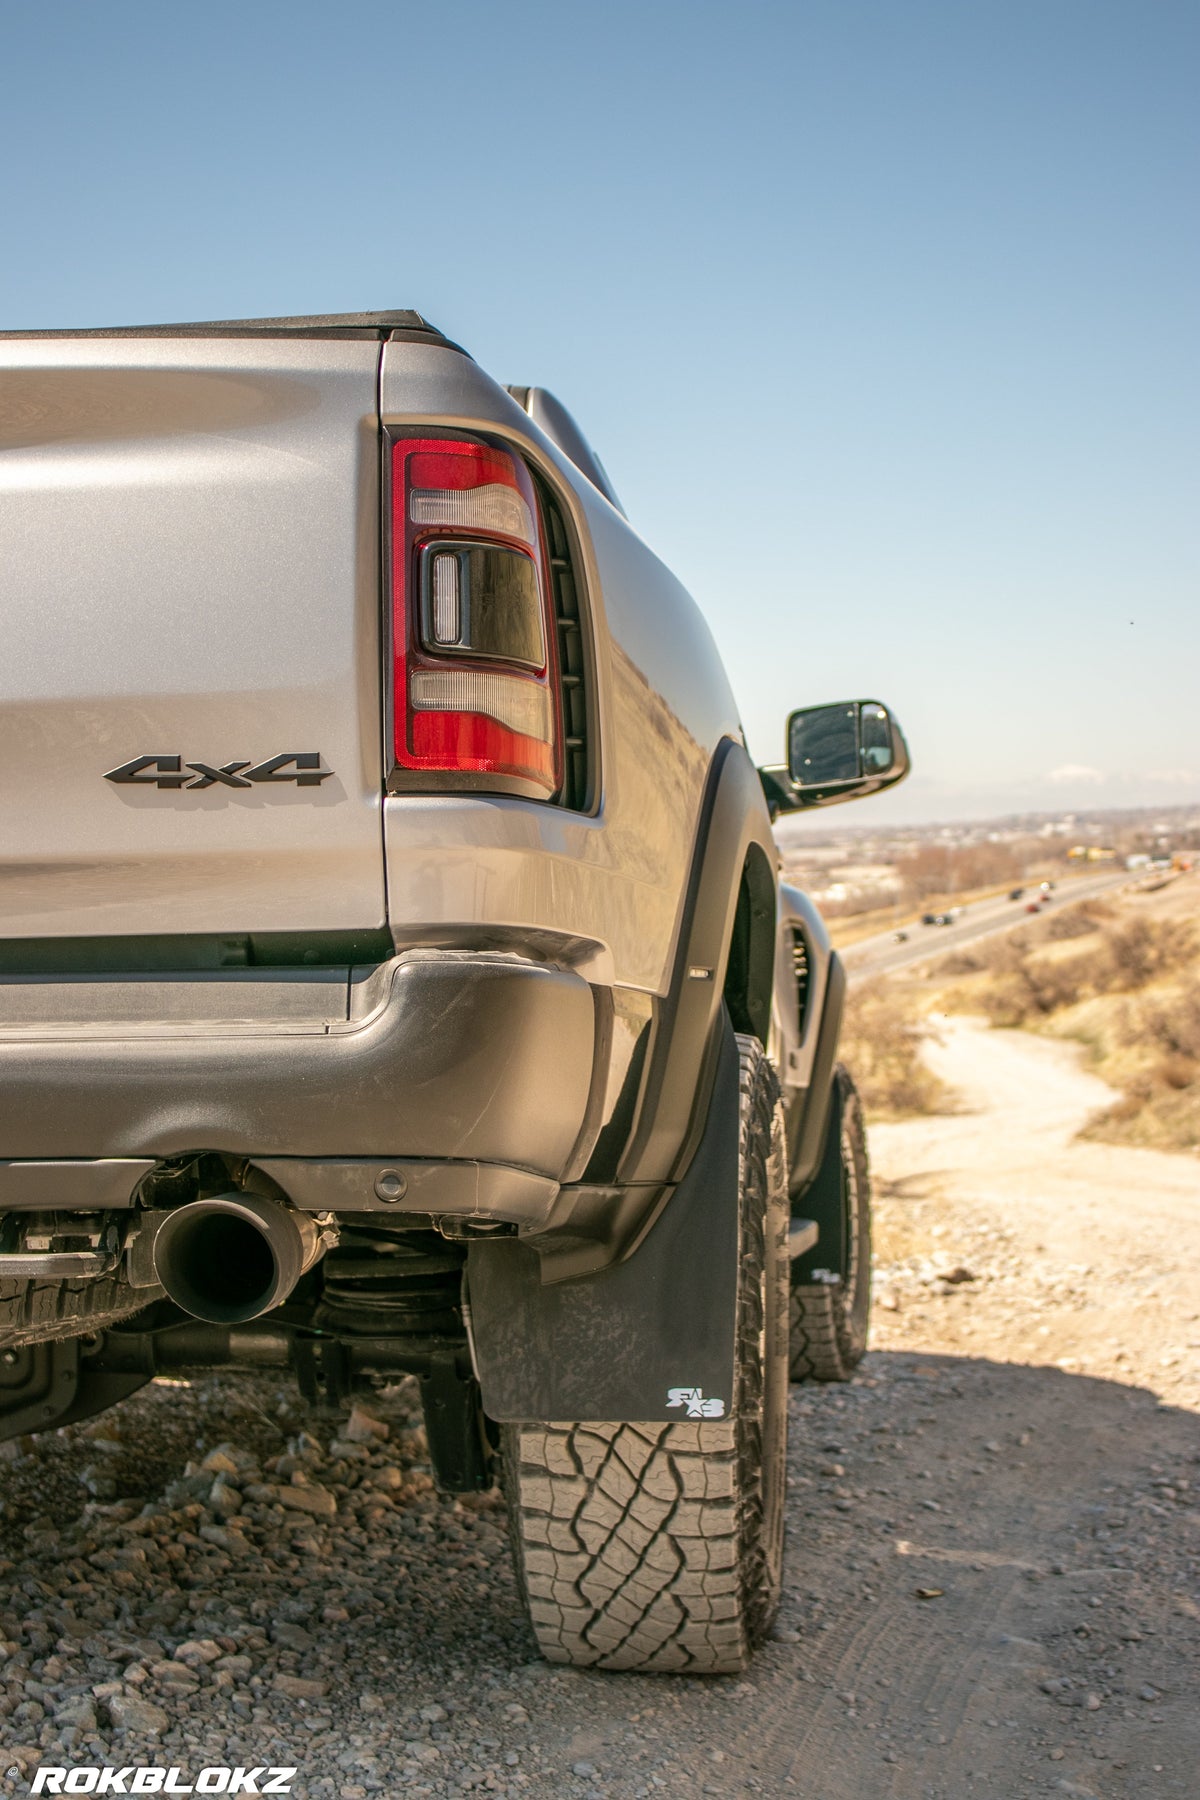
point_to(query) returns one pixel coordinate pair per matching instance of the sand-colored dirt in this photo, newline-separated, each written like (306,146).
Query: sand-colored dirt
(992,1557)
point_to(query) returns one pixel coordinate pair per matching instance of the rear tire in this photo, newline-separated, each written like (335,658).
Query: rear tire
(831,1301)
(659,1546)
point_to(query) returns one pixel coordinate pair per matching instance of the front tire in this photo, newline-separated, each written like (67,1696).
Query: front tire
(660,1546)
(38,1312)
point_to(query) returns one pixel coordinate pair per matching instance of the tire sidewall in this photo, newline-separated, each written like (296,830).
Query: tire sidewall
(762,1330)
(831,1306)
(854,1294)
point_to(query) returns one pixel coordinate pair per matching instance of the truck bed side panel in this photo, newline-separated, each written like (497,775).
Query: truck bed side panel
(189,538)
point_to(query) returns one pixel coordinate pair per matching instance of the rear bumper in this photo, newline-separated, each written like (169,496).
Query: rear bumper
(468,1078)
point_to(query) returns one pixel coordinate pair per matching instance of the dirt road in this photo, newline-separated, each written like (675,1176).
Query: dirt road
(992,1558)
(1107,1237)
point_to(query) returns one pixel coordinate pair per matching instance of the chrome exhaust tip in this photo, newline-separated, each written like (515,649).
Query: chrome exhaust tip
(232,1257)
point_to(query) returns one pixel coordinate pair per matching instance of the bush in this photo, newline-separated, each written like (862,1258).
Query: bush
(1142,1026)
(1169,1021)
(959,962)
(1141,952)
(1028,986)
(881,1043)
(1077,921)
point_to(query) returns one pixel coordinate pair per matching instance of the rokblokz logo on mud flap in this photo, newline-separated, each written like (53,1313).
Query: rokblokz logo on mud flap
(151,1779)
(697,1407)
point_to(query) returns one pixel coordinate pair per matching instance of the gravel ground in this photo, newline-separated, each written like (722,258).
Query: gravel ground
(235,1617)
(990,1584)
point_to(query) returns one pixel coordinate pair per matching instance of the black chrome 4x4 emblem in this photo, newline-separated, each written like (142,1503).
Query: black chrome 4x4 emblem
(304,767)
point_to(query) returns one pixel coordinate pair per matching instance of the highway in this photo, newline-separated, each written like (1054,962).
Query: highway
(882,955)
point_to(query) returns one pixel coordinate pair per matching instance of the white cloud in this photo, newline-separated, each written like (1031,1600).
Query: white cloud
(1174,777)
(1076,772)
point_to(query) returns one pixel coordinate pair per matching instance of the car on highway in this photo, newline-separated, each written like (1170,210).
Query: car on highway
(397,975)
(1017,894)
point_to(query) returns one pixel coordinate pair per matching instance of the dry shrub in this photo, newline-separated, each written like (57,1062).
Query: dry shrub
(1159,1109)
(881,1043)
(1145,950)
(1077,921)
(1028,987)
(1170,1021)
(1143,1031)
(1160,1105)
(996,952)
(1177,1072)
(959,962)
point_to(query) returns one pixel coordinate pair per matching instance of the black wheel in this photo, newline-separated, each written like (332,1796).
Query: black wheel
(831,1286)
(660,1546)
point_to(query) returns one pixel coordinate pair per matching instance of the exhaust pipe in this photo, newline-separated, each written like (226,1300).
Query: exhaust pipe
(234,1256)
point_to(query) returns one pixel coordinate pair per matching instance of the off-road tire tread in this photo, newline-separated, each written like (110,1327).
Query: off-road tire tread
(34,1312)
(823,1343)
(641,1546)
(816,1352)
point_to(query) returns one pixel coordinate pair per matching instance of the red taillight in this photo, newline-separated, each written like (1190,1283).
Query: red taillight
(473,648)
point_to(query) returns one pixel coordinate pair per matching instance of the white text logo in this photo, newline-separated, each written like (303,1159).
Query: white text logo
(697,1406)
(132,1780)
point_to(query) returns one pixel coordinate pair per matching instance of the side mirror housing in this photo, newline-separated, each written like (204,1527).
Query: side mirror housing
(836,753)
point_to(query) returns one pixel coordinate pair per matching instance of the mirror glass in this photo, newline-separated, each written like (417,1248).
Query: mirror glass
(875,738)
(836,753)
(823,745)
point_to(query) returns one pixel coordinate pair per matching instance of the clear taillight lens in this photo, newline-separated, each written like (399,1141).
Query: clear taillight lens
(473,675)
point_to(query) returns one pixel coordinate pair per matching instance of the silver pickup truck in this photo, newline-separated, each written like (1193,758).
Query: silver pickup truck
(395,975)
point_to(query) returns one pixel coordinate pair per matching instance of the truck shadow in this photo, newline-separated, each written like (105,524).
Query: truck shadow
(986,1563)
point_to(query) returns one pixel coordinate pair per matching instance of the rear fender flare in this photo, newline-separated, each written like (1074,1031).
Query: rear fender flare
(733,868)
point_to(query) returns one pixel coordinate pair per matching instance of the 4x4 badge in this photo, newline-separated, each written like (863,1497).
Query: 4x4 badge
(304,767)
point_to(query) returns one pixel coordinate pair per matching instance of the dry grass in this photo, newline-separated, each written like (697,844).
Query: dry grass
(881,1045)
(1151,1047)
(1078,921)
(1124,982)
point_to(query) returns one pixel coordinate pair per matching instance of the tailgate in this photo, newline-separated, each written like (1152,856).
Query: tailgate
(189,538)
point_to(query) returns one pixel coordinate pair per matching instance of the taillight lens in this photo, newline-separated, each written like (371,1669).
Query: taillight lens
(474,687)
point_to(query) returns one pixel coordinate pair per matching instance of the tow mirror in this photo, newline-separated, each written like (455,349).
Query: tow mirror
(837,753)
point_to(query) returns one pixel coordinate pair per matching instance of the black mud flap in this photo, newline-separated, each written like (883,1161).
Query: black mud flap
(824,1199)
(651,1338)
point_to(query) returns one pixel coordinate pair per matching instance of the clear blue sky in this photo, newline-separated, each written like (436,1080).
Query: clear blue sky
(883,316)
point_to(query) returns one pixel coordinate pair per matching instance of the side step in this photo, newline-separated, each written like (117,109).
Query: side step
(802,1236)
(55,1265)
